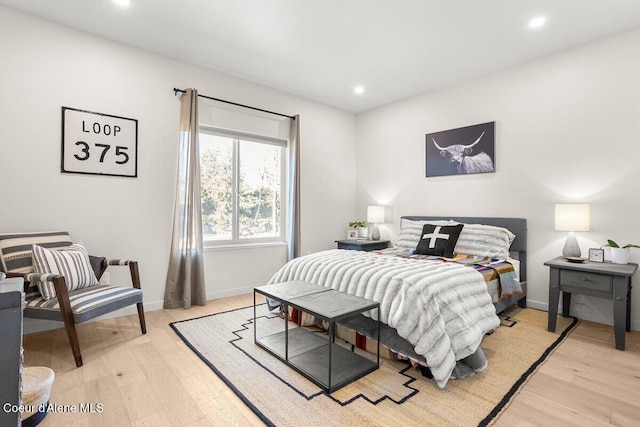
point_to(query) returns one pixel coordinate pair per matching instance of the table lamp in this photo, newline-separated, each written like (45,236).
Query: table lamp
(375,214)
(572,217)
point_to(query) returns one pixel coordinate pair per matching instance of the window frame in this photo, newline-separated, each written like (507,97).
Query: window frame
(237,137)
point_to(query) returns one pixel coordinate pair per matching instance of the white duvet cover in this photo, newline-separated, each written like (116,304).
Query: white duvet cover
(442,309)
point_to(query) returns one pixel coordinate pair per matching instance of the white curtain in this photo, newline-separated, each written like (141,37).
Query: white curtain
(293,232)
(185,283)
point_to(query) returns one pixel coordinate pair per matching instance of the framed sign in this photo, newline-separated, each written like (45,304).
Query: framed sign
(465,150)
(99,144)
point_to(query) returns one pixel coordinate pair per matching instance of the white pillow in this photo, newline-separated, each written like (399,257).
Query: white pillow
(475,239)
(484,240)
(411,231)
(72,262)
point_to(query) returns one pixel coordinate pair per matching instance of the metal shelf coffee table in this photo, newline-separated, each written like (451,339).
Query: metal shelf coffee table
(325,363)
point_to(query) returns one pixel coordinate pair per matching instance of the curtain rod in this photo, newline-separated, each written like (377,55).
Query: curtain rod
(175,92)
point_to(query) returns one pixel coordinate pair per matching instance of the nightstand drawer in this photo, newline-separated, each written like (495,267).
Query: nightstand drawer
(592,281)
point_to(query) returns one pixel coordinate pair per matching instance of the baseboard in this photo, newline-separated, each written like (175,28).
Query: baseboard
(583,314)
(230,292)
(537,305)
(32,326)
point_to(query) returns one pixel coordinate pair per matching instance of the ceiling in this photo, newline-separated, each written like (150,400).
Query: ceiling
(321,50)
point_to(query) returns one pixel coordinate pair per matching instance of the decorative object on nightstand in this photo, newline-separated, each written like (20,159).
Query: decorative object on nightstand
(352,234)
(363,245)
(572,217)
(375,215)
(596,255)
(360,227)
(620,255)
(604,280)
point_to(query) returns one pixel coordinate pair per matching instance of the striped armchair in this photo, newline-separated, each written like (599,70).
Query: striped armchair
(53,296)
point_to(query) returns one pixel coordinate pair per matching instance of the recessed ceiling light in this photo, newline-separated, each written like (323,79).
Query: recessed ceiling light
(359,90)
(122,3)
(537,22)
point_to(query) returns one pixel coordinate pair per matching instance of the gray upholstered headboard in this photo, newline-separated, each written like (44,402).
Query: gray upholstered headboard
(517,226)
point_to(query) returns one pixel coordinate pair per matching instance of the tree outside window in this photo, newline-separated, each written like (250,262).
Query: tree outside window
(242,187)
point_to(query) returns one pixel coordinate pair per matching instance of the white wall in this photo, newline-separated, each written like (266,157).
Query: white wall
(567,130)
(46,66)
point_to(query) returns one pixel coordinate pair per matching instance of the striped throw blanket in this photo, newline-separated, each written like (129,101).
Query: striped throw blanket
(442,309)
(493,270)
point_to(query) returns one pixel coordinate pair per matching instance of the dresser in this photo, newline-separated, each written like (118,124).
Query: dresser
(11,305)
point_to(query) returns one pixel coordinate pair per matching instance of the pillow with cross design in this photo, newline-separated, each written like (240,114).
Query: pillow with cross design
(438,240)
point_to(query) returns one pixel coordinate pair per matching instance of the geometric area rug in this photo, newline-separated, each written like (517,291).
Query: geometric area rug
(396,394)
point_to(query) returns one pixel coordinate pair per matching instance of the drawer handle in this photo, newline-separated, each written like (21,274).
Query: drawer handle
(584,279)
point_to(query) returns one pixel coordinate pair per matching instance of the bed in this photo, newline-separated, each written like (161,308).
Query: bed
(434,311)
(518,248)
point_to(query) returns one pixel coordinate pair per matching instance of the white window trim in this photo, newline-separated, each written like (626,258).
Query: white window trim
(224,247)
(236,242)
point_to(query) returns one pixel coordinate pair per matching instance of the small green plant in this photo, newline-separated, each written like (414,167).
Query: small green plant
(613,244)
(357,224)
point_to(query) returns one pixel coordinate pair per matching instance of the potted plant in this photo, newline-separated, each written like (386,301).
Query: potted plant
(620,255)
(361,226)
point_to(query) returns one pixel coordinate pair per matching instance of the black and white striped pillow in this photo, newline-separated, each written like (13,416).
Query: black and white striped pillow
(72,262)
(16,254)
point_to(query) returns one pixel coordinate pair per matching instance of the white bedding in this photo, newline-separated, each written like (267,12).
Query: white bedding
(442,309)
(516,266)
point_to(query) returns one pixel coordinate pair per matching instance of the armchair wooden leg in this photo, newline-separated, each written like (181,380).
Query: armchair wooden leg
(67,317)
(143,325)
(135,279)
(73,340)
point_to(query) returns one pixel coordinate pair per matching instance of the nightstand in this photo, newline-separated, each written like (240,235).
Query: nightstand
(362,245)
(605,280)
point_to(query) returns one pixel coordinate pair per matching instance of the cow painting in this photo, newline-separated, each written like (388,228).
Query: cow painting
(467,150)
(461,160)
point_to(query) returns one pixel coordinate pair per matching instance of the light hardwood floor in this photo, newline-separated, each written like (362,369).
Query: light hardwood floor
(156,380)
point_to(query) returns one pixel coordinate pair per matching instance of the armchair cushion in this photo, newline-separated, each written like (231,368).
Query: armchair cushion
(71,261)
(15,248)
(86,303)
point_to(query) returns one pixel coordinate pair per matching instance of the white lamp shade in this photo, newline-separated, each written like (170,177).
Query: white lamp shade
(573,217)
(375,214)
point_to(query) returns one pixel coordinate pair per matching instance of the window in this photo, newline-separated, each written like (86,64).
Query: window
(242,187)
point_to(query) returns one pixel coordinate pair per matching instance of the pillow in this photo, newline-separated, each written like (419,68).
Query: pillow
(438,240)
(72,262)
(485,240)
(411,231)
(16,255)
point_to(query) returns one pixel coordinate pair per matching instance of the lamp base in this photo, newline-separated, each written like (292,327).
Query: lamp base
(375,234)
(571,248)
